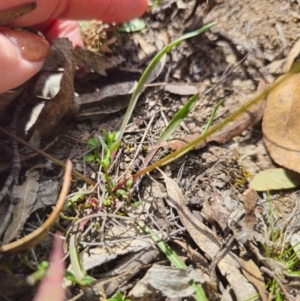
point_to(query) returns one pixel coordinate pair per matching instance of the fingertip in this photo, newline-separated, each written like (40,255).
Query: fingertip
(123,10)
(15,69)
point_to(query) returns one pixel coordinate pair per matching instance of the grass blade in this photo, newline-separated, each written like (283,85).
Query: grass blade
(139,88)
(177,119)
(179,153)
(172,126)
(212,117)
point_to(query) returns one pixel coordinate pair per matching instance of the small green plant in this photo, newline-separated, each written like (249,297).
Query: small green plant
(118,297)
(109,143)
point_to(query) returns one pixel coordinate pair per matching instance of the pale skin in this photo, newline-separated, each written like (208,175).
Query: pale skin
(57,18)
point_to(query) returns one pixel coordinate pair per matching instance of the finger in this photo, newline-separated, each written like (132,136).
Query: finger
(58,28)
(51,287)
(21,56)
(106,10)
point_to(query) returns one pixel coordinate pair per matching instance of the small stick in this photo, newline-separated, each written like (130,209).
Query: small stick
(274,276)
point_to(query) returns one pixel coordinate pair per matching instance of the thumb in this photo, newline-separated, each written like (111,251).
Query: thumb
(21,56)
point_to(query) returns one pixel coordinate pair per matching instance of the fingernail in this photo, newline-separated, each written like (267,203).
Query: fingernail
(32,47)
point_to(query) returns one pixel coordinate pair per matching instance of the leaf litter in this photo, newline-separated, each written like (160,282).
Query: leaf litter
(209,180)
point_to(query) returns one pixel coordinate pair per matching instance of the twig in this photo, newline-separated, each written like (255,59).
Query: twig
(274,276)
(226,248)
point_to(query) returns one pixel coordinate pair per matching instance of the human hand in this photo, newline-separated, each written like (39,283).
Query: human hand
(54,18)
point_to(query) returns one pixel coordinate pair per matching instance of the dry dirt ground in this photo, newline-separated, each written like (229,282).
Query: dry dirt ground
(199,206)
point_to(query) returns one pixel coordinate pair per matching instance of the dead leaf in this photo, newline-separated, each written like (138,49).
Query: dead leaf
(27,193)
(109,99)
(207,241)
(110,251)
(171,282)
(275,179)
(57,107)
(125,269)
(254,275)
(181,89)
(92,61)
(46,195)
(10,14)
(251,198)
(281,123)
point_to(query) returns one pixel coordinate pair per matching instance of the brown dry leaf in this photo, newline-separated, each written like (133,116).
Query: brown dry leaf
(110,99)
(254,275)
(10,14)
(57,107)
(27,193)
(214,211)
(251,198)
(89,60)
(281,123)
(92,61)
(208,242)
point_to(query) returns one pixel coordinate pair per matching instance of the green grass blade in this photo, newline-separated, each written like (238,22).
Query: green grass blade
(178,118)
(139,88)
(172,126)
(152,153)
(212,117)
(258,98)
(174,259)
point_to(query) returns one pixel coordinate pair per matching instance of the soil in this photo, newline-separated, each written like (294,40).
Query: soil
(249,44)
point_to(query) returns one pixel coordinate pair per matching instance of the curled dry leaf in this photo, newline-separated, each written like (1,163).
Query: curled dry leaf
(281,123)
(57,107)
